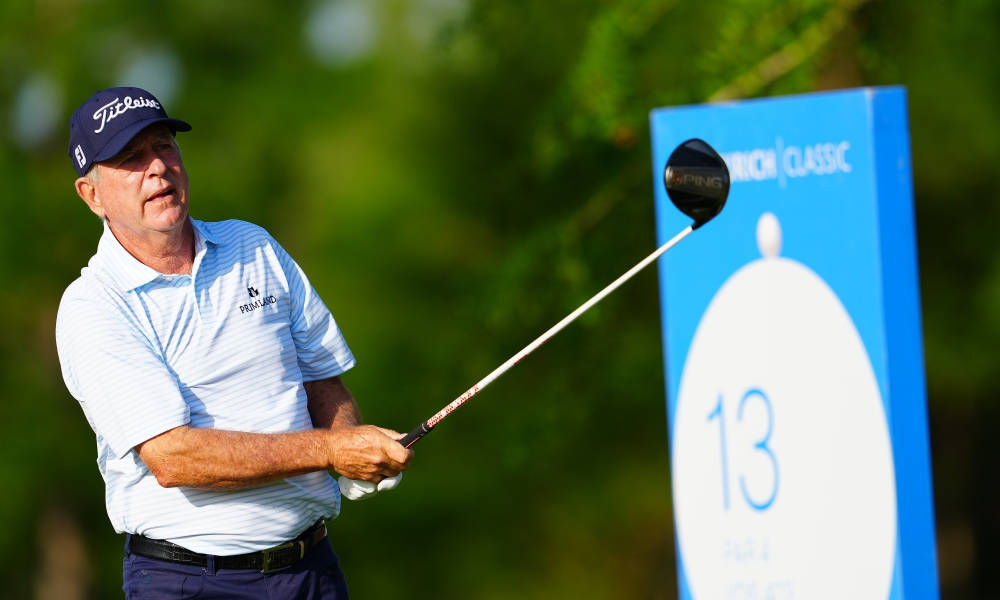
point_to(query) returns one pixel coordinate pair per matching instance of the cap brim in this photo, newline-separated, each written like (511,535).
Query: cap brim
(123,137)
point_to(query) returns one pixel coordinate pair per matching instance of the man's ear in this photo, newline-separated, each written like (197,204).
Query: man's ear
(87,191)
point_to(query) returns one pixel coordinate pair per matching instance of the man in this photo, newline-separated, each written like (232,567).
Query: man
(209,369)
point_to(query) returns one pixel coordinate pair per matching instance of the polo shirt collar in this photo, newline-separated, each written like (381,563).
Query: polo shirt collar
(202,234)
(126,271)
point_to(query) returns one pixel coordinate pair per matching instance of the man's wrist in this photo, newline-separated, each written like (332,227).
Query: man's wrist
(331,447)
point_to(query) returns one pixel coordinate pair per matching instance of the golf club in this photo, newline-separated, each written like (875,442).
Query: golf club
(697,182)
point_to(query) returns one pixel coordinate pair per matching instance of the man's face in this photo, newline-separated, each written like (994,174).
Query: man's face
(144,188)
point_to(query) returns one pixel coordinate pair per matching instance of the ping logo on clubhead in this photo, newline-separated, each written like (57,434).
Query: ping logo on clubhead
(690,179)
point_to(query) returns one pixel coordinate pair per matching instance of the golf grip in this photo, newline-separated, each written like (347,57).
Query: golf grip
(427,426)
(418,432)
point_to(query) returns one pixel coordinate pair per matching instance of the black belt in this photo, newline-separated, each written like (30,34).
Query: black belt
(267,560)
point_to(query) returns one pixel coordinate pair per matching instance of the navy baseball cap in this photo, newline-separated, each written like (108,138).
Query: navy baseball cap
(106,122)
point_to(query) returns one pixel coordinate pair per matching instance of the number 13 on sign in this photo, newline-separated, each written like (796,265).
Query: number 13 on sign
(752,398)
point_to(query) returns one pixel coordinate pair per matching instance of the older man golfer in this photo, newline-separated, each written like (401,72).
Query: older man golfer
(209,369)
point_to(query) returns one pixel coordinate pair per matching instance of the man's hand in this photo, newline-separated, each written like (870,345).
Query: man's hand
(364,479)
(369,453)
(361,452)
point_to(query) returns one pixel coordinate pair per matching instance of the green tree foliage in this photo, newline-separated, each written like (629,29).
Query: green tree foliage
(459,178)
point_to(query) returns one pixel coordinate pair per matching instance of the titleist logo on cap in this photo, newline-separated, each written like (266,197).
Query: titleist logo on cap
(115,108)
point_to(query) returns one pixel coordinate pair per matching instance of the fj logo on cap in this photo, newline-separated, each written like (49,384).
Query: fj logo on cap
(115,108)
(81,159)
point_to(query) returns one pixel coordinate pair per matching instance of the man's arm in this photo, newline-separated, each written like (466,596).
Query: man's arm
(216,459)
(331,405)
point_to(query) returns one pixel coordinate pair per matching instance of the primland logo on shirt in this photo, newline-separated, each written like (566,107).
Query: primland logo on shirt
(258,302)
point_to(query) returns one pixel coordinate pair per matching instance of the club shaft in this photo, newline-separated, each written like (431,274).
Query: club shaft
(426,427)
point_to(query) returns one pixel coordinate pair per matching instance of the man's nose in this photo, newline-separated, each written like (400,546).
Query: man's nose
(157,164)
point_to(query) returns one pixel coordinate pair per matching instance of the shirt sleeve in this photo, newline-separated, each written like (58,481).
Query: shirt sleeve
(320,346)
(127,392)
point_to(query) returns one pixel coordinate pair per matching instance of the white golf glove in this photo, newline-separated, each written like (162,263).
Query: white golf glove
(355,489)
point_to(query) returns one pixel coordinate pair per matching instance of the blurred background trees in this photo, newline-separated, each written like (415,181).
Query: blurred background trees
(456,175)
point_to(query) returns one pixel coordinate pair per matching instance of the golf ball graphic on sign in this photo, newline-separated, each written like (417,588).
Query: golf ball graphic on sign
(782,468)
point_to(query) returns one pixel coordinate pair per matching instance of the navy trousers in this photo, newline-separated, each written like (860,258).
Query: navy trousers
(317,576)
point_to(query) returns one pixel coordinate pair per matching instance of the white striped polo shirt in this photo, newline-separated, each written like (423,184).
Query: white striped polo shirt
(226,347)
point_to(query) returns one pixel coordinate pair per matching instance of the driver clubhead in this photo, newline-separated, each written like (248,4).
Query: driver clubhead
(697,181)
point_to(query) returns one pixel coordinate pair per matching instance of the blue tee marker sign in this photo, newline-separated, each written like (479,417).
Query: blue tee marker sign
(793,353)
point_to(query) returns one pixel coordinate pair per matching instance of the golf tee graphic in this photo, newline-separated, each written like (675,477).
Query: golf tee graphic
(793,356)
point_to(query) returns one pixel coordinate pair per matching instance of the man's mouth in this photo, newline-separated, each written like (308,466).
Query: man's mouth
(162,193)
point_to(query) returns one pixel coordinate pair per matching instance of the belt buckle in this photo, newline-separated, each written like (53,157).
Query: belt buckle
(266,554)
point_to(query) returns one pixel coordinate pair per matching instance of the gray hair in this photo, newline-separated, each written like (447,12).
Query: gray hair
(93,174)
